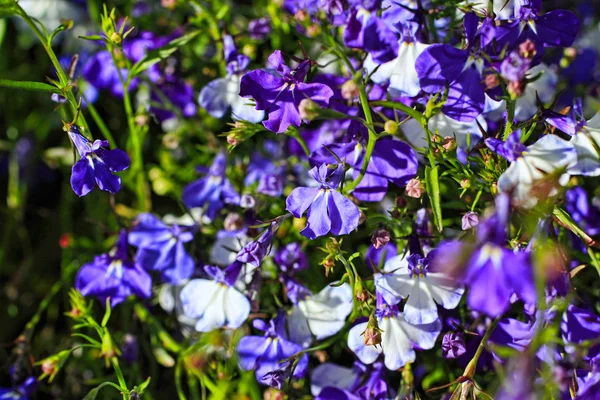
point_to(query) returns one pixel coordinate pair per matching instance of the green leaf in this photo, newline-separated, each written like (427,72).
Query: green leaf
(159,54)
(399,106)
(92,394)
(433,191)
(26,85)
(8,8)
(106,313)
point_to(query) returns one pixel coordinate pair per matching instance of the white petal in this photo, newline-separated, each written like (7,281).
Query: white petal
(243,109)
(550,153)
(366,354)
(393,287)
(545,86)
(326,312)
(588,162)
(445,291)
(420,307)
(594,122)
(464,132)
(382,75)
(404,80)
(397,265)
(397,348)
(298,328)
(423,335)
(494,110)
(214,314)
(196,295)
(415,134)
(237,308)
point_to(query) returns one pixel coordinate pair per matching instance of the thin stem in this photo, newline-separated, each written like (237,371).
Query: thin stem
(120,378)
(30,327)
(472,366)
(364,101)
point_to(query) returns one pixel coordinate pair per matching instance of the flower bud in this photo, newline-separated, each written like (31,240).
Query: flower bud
(313,30)
(233,139)
(372,335)
(465,183)
(527,49)
(308,109)
(361,294)
(390,127)
(350,90)
(449,143)
(415,188)
(301,15)
(116,38)
(453,345)
(516,88)
(247,201)
(492,81)
(233,222)
(470,220)
(380,238)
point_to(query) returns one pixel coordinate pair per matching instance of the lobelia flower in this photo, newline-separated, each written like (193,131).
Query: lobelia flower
(412,277)
(398,337)
(254,252)
(280,94)
(578,326)
(330,375)
(259,28)
(179,93)
(362,382)
(525,178)
(160,247)
(213,191)
(264,354)
(216,303)
(442,64)
(328,210)
(269,175)
(585,138)
(96,165)
(322,315)
(583,211)
(543,88)
(114,276)
(100,71)
(400,73)
(391,161)
(291,258)
(453,345)
(221,94)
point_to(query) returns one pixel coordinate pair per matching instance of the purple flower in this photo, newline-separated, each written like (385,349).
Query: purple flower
(512,149)
(583,211)
(514,67)
(160,247)
(259,28)
(328,210)
(281,93)
(453,345)
(181,96)
(270,177)
(100,71)
(214,190)
(264,354)
(21,392)
(291,258)
(579,325)
(114,276)
(391,161)
(256,250)
(96,165)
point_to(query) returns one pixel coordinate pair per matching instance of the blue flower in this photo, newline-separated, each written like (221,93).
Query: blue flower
(256,250)
(96,164)
(160,247)
(328,210)
(22,392)
(264,354)
(114,276)
(214,190)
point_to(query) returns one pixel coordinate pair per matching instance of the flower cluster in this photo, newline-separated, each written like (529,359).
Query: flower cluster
(394,198)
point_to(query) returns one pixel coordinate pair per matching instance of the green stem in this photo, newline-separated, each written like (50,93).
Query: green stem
(510,108)
(364,101)
(100,123)
(120,378)
(296,135)
(472,366)
(30,327)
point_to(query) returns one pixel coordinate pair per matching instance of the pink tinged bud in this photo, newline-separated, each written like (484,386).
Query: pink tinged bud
(516,88)
(492,81)
(233,222)
(449,143)
(380,238)
(233,139)
(308,109)
(415,188)
(470,220)
(350,90)
(49,367)
(372,337)
(527,49)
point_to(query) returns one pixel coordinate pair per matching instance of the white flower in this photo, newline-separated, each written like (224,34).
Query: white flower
(545,86)
(409,277)
(466,134)
(398,339)
(549,154)
(323,314)
(400,72)
(214,304)
(222,93)
(586,142)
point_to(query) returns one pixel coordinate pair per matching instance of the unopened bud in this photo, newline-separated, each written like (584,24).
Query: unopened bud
(390,127)
(372,335)
(171,141)
(350,90)
(313,30)
(49,366)
(465,184)
(308,109)
(449,143)
(141,119)
(170,4)
(415,188)
(570,52)
(301,15)
(470,220)
(233,139)
(492,81)
(116,38)
(516,88)
(247,201)
(380,238)
(527,49)
(233,222)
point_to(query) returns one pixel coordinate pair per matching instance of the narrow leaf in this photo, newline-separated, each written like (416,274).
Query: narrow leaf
(159,54)
(433,191)
(26,85)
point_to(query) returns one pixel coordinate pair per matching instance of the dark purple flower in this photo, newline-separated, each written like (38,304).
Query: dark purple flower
(270,177)
(100,71)
(291,258)
(391,161)
(377,257)
(328,210)
(21,392)
(256,250)
(130,349)
(265,354)
(453,345)
(160,247)
(583,211)
(512,149)
(259,28)
(113,275)
(214,190)
(580,325)
(96,165)
(514,67)
(281,93)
